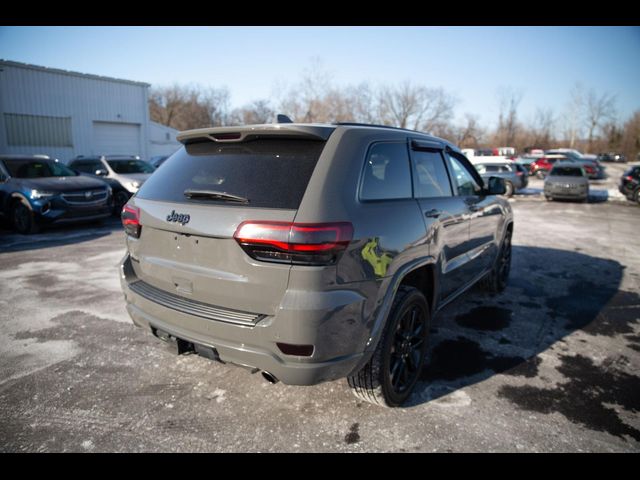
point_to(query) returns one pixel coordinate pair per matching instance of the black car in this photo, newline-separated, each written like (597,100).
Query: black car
(630,184)
(37,191)
(611,157)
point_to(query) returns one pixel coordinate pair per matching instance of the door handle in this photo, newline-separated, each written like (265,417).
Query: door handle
(433,213)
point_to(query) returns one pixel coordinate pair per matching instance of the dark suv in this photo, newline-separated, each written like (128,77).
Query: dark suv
(629,184)
(37,191)
(312,252)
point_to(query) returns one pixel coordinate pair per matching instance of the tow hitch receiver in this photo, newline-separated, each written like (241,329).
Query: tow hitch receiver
(183,347)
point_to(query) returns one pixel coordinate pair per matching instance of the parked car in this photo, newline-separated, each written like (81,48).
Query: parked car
(543,165)
(311,252)
(514,177)
(158,160)
(629,184)
(611,157)
(128,170)
(37,191)
(526,161)
(567,181)
(591,165)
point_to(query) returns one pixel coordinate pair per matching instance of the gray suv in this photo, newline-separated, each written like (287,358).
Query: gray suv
(312,252)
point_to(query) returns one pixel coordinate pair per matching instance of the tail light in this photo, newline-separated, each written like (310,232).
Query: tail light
(131,221)
(294,243)
(629,178)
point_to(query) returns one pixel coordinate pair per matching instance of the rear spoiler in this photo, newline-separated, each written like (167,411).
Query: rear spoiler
(251,132)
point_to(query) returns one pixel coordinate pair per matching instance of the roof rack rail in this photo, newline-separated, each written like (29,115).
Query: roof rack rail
(358,124)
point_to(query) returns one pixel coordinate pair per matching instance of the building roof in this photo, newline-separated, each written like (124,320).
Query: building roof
(9,63)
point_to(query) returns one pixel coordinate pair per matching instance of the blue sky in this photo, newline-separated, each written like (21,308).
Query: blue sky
(471,63)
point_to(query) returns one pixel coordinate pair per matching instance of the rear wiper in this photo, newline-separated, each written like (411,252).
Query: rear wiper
(215,195)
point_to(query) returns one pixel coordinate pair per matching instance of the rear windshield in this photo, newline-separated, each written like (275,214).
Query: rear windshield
(567,172)
(130,166)
(37,169)
(271,173)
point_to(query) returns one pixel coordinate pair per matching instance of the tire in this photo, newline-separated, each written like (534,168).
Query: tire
(636,196)
(496,281)
(508,189)
(549,198)
(23,219)
(120,198)
(406,332)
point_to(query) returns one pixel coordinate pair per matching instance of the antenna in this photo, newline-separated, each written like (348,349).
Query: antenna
(284,119)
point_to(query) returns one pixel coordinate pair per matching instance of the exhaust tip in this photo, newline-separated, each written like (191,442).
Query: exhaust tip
(269,377)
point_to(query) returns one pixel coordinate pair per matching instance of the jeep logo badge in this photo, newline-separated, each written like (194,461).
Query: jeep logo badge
(180,218)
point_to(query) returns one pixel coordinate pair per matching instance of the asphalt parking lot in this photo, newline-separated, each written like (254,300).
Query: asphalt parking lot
(551,364)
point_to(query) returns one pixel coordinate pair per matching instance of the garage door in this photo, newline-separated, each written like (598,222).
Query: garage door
(116,138)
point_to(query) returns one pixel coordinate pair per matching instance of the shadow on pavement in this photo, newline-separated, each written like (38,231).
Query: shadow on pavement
(56,236)
(551,294)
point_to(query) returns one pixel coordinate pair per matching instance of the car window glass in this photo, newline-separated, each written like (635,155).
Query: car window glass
(130,166)
(87,166)
(386,173)
(461,177)
(431,175)
(37,168)
(270,172)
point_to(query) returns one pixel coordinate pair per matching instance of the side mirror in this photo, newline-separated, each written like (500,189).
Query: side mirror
(101,172)
(496,186)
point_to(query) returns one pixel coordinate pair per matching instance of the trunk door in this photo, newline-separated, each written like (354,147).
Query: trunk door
(186,246)
(200,260)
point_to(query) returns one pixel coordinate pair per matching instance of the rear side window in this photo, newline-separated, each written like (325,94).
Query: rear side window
(431,175)
(87,166)
(566,171)
(387,174)
(270,173)
(462,178)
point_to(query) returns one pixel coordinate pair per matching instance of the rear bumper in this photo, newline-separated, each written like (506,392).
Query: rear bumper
(568,195)
(338,341)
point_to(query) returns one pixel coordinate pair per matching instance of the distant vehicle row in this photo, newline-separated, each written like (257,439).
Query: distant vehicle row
(37,191)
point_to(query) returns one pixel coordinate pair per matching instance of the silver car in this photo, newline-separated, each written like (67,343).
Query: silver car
(128,170)
(567,181)
(515,176)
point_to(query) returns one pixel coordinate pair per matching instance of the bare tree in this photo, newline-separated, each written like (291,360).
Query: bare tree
(573,115)
(306,100)
(599,109)
(543,127)
(186,107)
(413,106)
(509,100)
(470,134)
(257,112)
(631,137)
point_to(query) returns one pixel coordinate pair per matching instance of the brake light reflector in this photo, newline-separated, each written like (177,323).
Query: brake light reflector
(131,221)
(300,350)
(294,243)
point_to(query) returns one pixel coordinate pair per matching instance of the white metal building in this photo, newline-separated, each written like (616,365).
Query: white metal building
(162,140)
(63,114)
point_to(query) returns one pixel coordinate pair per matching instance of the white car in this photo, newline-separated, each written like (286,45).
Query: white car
(128,170)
